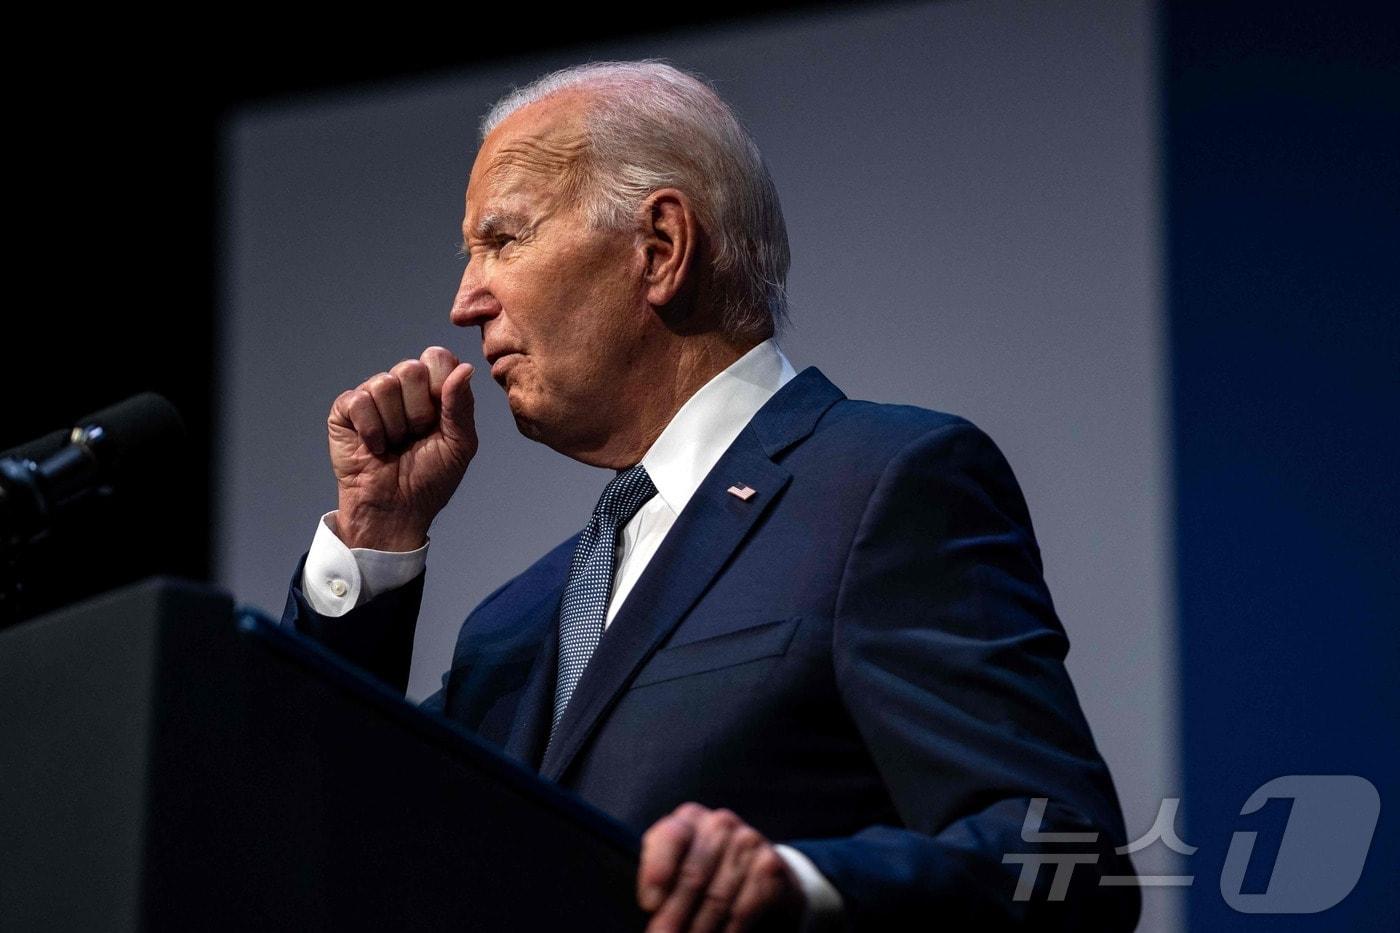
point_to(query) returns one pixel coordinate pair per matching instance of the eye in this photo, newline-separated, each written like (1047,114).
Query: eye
(495,243)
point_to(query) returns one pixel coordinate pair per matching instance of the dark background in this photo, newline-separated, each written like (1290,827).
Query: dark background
(1283,231)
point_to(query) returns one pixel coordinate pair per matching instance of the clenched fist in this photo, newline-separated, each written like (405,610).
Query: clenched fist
(400,443)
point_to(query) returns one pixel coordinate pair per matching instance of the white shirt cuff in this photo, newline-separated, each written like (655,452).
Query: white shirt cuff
(337,578)
(824,904)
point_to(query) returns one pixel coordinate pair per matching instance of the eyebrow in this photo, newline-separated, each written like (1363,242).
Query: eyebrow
(494,222)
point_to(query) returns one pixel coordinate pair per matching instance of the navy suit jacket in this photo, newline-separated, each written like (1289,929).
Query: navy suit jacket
(862,660)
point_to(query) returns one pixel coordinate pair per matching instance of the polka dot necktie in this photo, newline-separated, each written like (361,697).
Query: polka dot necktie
(585,605)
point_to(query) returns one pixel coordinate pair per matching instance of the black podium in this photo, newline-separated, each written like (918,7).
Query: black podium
(167,766)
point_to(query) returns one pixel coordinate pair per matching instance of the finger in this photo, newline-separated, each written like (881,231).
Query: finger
(356,410)
(768,886)
(388,398)
(440,362)
(663,847)
(718,901)
(697,869)
(418,405)
(458,404)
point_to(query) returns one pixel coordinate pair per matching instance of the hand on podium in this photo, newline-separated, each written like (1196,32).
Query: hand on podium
(707,870)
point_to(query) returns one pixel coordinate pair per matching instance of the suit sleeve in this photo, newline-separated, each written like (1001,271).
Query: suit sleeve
(377,635)
(949,657)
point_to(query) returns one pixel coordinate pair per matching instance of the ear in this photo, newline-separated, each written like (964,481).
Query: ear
(670,232)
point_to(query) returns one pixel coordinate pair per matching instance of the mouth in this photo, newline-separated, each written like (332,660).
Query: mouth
(500,362)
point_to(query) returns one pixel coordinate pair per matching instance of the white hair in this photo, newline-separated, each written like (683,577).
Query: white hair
(653,126)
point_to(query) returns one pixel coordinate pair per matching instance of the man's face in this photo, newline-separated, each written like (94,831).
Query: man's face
(559,305)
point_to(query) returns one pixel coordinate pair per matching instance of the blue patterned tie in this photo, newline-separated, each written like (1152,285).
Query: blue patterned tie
(585,606)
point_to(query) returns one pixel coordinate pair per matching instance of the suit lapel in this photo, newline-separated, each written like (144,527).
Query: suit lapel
(706,533)
(534,711)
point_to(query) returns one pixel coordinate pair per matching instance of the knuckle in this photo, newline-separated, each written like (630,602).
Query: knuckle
(409,369)
(746,837)
(724,819)
(655,876)
(383,382)
(667,830)
(768,864)
(690,811)
(715,826)
(361,403)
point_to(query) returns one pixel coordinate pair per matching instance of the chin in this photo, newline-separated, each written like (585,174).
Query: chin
(530,420)
(529,429)
(525,421)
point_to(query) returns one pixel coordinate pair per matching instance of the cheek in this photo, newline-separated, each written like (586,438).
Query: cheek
(578,326)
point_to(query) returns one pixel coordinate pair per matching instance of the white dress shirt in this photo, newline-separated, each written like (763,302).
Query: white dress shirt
(337,578)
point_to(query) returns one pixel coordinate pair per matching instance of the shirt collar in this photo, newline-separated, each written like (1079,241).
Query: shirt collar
(709,421)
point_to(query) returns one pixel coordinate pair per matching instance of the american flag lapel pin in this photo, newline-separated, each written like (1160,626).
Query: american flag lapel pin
(742,491)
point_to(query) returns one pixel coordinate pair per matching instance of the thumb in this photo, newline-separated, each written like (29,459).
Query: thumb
(458,404)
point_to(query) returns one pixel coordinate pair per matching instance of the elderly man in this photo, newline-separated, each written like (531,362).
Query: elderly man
(803,643)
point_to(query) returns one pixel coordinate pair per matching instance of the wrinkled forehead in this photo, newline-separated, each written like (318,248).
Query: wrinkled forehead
(536,147)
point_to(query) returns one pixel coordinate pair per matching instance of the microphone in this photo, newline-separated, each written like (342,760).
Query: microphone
(41,480)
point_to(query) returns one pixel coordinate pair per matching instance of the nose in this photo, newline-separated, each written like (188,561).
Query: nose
(474,304)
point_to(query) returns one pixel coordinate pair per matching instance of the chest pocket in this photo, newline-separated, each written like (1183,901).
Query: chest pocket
(712,652)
